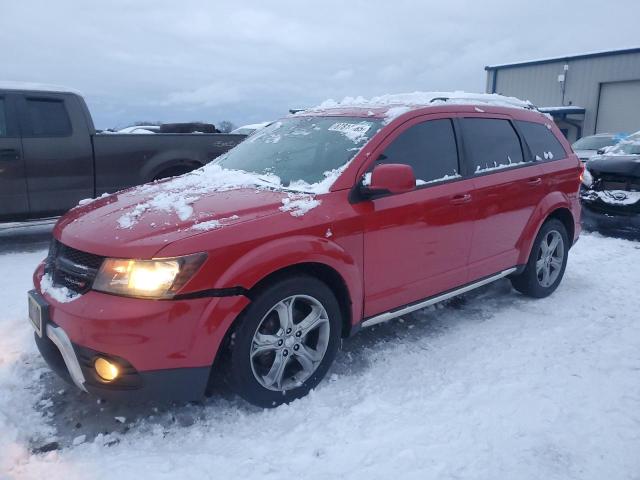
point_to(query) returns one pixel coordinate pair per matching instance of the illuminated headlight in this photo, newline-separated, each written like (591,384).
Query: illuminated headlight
(158,278)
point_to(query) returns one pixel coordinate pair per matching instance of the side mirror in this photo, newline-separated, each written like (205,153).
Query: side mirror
(600,151)
(390,178)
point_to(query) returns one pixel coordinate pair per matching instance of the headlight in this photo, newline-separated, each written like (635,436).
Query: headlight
(158,278)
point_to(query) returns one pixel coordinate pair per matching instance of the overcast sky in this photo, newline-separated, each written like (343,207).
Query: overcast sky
(251,61)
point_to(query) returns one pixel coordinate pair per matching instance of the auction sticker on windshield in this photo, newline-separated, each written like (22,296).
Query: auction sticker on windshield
(358,129)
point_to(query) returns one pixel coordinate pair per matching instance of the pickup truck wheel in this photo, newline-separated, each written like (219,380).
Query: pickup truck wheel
(172,172)
(547,261)
(285,341)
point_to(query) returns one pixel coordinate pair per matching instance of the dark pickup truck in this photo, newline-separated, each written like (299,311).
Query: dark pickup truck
(51,155)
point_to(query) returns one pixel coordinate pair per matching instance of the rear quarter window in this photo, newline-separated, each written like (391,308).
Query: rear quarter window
(542,142)
(47,118)
(490,144)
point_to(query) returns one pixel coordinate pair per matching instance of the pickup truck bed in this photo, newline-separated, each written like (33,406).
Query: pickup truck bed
(51,156)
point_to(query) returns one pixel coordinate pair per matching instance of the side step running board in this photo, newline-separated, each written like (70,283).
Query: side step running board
(383,317)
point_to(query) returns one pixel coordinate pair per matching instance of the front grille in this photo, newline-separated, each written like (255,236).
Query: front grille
(71,268)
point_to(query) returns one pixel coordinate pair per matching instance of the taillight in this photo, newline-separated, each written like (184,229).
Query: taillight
(582,172)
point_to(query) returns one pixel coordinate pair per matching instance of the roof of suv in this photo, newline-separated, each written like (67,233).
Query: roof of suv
(393,105)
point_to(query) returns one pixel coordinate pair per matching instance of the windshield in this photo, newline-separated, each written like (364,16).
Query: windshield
(594,143)
(301,148)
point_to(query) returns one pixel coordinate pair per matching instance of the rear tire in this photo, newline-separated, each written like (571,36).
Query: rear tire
(285,341)
(547,261)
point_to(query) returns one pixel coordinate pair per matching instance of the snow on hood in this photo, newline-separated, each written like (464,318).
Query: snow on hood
(177,195)
(207,199)
(400,103)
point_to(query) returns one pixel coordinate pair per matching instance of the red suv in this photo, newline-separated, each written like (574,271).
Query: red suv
(320,224)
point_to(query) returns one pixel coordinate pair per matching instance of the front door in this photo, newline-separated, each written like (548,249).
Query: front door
(57,150)
(13,188)
(416,243)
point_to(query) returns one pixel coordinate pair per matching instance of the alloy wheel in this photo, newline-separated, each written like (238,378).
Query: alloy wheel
(290,343)
(550,258)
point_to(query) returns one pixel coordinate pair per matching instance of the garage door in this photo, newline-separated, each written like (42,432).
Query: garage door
(619,107)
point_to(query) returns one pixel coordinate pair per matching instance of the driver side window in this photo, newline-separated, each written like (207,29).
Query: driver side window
(429,148)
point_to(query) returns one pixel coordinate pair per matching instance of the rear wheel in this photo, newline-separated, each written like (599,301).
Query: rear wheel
(285,341)
(547,261)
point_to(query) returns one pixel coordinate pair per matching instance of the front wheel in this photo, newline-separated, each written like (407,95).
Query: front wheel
(285,341)
(547,261)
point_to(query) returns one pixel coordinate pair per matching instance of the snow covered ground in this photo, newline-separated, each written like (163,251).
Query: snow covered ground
(491,386)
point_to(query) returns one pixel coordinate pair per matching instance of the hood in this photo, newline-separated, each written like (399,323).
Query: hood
(627,165)
(585,154)
(138,223)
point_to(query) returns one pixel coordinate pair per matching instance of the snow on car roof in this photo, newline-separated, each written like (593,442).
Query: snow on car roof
(36,87)
(393,105)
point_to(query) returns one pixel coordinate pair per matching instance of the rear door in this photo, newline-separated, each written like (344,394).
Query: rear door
(57,150)
(508,186)
(13,187)
(416,243)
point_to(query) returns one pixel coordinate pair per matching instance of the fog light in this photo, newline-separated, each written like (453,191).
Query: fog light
(106,370)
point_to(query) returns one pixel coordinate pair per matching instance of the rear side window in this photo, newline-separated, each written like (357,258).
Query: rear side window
(429,148)
(542,142)
(47,118)
(490,144)
(3,119)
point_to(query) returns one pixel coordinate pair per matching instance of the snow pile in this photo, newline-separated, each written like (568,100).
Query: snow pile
(400,103)
(59,294)
(22,419)
(213,224)
(87,201)
(178,194)
(298,204)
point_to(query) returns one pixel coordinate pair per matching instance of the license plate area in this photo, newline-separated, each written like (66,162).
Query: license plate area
(38,312)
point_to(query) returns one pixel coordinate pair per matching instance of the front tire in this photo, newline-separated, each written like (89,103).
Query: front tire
(547,261)
(285,341)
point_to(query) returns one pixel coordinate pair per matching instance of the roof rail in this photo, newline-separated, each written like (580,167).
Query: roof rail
(529,106)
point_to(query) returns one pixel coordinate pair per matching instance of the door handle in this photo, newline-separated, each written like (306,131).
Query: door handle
(9,154)
(534,181)
(460,199)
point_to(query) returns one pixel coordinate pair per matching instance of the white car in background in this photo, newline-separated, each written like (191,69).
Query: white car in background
(589,146)
(249,129)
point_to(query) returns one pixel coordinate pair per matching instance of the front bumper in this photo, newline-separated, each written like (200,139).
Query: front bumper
(63,357)
(166,348)
(603,219)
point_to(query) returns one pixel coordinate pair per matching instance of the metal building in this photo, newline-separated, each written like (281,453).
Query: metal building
(586,94)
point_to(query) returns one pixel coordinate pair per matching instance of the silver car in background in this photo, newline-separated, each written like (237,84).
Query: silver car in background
(589,146)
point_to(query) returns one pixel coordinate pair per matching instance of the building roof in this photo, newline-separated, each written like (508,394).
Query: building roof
(566,110)
(581,56)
